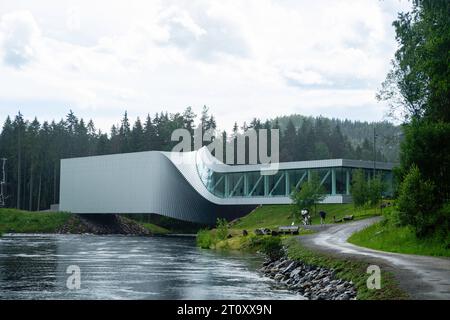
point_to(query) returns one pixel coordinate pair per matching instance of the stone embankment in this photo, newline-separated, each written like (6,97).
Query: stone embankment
(314,283)
(103,224)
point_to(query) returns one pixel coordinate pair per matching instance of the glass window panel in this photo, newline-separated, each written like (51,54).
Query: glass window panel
(295,176)
(255,179)
(325,176)
(236,184)
(340,180)
(218,184)
(277,184)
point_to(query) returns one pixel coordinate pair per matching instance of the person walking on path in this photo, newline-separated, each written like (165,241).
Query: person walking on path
(322,214)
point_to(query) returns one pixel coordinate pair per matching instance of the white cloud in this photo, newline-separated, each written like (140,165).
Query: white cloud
(305,78)
(244,59)
(73,19)
(19,36)
(182,29)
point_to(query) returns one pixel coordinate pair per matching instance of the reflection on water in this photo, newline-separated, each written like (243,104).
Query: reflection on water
(126,267)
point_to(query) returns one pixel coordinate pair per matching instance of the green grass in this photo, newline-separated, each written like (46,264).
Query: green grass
(158,224)
(347,269)
(18,221)
(273,216)
(154,229)
(206,239)
(388,237)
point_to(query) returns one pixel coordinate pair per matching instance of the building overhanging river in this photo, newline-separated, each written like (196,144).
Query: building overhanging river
(194,186)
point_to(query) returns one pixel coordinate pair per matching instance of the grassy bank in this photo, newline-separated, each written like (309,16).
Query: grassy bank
(162,225)
(155,229)
(386,236)
(231,237)
(273,216)
(210,239)
(21,221)
(18,221)
(349,270)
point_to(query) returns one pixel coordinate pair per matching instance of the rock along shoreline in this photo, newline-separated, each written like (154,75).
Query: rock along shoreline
(101,224)
(314,283)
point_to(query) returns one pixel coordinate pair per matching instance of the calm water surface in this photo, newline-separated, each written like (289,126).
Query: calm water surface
(127,267)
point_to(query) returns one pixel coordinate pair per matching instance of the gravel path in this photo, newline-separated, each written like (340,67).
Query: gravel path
(421,277)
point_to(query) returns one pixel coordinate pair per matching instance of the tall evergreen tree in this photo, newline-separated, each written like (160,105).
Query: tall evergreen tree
(124,133)
(137,139)
(288,143)
(150,137)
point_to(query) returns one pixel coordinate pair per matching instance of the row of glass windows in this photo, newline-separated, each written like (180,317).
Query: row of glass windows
(253,184)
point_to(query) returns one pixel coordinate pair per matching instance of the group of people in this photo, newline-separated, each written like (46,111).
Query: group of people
(307,217)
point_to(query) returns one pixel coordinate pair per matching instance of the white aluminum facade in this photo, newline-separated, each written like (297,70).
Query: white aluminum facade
(193,186)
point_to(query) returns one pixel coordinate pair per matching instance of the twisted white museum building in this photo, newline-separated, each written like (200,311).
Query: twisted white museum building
(195,186)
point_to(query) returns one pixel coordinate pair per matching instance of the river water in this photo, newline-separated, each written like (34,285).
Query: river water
(34,266)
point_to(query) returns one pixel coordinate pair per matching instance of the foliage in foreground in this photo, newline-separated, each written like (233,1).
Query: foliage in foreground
(416,225)
(418,89)
(221,229)
(418,206)
(426,145)
(206,239)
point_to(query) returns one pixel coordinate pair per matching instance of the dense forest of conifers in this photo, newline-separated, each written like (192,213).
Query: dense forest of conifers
(34,149)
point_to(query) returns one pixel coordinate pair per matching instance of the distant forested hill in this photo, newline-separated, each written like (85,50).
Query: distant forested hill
(358,133)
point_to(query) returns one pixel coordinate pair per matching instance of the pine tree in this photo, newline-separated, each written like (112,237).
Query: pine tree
(137,137)
(124,134)
(288,143)
(189,118)
(337,143)
(204,118)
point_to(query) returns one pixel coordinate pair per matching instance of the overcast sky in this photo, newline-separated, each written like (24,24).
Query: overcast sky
(243,59)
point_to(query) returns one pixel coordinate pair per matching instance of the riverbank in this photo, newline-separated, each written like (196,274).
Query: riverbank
(101,224)
(321,276)
(312,282)
(20,221)
(317,275)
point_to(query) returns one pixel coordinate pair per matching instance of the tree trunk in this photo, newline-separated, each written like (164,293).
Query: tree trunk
(19,171)
(30,201)
(39,192)
(54,183)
